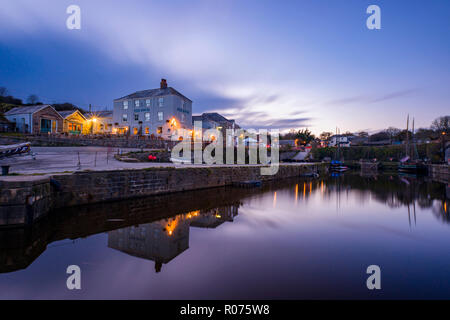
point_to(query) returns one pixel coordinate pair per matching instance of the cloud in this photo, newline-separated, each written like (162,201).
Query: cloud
(362,99)
(395,94)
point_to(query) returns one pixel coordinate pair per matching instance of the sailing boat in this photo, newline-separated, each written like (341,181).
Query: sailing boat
(410,163)
(337,165)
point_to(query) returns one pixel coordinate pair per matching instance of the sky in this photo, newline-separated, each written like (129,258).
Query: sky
(266,63)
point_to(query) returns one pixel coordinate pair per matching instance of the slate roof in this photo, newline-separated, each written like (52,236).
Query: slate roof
(214,116)
(153,93)
(26,109)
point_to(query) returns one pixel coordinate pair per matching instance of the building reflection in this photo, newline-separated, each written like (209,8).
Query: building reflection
(157,228)
(163,240)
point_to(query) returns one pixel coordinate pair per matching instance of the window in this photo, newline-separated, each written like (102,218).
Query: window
(135,131)
(159,130)
(147,102)
(136,103)
(136,116)
(161,102)
(147,116)
(160,116)
(125,105)
(147,130)
(183,117)
(125,117)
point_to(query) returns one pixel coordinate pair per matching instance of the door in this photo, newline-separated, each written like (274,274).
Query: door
(46,125)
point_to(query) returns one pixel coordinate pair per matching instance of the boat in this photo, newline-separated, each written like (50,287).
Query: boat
(15,149)
(411,164)
(337,166)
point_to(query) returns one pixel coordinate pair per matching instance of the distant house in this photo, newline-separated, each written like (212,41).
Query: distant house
(160,112)
(100,122)
(36,119)
(341,140)
(74,121)
(215,120)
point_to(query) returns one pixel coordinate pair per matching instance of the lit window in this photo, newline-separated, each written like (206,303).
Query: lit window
(161,102)
(159,130)
(147,130)
(125,117)
(160,116)
(147,116)
(125,105)
(136,116)
(136,103)
(147,102)
(135,131)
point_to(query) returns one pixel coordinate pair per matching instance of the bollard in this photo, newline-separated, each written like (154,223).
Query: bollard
(5,170)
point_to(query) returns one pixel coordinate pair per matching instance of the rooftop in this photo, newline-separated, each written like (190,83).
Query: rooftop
(151,93)
(26,109)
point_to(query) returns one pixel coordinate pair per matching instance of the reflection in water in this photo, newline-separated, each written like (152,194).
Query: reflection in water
(158,228)
(163,240)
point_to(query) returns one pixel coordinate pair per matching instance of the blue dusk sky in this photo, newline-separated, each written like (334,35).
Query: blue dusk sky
(281,64)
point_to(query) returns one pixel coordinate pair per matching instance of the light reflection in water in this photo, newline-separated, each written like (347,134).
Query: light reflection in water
(257,233)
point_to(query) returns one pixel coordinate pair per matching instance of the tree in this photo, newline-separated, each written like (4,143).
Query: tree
(32,99)
(441,124)
(392,132)
(380,136)
(325,135)
(3,92)
(305,136)
(362,134)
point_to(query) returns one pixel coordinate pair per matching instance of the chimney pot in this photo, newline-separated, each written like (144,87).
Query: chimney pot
(163,83)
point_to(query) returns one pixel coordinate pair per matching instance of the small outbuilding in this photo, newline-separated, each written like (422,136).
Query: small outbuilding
(36,119)
(74,121)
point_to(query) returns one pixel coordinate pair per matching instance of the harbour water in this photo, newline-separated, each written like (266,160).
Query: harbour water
(292,239)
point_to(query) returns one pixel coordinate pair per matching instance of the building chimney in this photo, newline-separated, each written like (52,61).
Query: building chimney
(163,84)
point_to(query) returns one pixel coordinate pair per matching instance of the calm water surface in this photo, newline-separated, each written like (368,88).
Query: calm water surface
(290,239)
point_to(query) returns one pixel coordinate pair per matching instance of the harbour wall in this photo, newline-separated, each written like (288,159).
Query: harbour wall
(439,172)
(23,199)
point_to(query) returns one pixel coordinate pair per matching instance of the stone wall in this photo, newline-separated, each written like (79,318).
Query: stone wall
(25,198)
(439,172)
(100,141)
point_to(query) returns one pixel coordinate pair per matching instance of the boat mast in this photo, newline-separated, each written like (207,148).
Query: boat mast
(407,136)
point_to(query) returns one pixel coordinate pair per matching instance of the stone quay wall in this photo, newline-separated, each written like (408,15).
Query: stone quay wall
(24,200)
(439,172)
(98,141)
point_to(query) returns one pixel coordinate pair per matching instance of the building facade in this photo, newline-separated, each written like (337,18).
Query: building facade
(74,122)
(36,119)
(341,140)
(156,112)
(100,122)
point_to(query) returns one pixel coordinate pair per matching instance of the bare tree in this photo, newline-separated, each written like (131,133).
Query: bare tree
(32,99)
(441,124)
(325,135)
(393,132)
